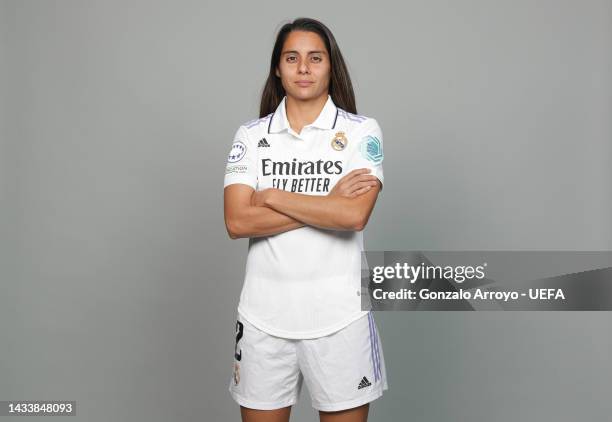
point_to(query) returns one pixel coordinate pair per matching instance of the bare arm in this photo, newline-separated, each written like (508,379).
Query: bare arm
(247,216)
(243,219)
(328,212)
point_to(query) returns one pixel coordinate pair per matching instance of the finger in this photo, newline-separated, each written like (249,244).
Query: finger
(360,185)
(359,190)
(362,190)
(355,172)
(363,178)
(353,177)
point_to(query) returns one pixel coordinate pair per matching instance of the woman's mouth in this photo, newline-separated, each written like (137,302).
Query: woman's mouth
(304,83)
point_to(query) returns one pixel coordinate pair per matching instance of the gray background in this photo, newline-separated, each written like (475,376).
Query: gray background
(119,282)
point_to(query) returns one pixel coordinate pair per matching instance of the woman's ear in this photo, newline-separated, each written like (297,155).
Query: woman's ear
(277,73)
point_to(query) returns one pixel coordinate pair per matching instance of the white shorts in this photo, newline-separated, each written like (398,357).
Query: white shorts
(342,370)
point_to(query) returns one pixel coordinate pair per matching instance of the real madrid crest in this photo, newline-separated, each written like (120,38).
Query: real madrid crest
(339,142)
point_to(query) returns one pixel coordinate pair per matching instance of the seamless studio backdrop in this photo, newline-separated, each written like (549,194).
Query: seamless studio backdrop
(119,283)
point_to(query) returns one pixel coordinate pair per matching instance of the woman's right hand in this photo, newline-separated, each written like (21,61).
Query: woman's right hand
(354,183)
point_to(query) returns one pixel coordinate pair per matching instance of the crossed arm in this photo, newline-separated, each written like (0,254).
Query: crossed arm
(250,213)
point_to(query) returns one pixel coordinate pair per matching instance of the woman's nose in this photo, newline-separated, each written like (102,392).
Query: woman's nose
(303,67)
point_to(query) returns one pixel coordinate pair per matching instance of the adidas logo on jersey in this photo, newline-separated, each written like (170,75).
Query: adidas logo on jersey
(364,383)
(263,143)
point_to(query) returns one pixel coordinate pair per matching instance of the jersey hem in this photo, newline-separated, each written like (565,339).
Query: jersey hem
(302,334)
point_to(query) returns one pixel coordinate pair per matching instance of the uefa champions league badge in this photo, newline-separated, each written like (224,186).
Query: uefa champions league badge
(237,152)
(339,141)
(371,149)
(236,373)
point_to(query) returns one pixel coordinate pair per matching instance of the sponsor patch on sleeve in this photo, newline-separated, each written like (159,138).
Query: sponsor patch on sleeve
(237,152)
(371,149)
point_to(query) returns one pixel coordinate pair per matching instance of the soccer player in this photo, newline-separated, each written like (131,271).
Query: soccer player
(301,182)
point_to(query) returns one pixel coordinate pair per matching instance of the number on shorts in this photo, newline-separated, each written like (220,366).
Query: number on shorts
(239,331)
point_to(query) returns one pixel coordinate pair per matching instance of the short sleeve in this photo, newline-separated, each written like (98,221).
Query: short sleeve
(241,164)
(368,151)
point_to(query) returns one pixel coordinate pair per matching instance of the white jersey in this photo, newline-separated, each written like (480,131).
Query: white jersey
(306,282)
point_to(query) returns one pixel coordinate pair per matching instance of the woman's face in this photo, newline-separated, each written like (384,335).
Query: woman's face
(304,66)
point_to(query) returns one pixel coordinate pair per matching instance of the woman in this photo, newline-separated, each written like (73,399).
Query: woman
(301,182)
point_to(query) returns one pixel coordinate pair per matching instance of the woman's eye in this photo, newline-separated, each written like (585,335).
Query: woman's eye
(290,59)
(316,59)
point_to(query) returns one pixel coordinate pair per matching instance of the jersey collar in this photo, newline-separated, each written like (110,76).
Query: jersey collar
(326,119)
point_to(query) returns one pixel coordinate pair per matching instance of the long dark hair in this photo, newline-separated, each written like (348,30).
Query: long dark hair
(340,87)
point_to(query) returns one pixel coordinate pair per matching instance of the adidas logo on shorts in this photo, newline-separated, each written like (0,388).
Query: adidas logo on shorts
(263,143)
(364,383)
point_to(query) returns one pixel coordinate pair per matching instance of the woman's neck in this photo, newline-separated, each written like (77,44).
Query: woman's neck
(302,113)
